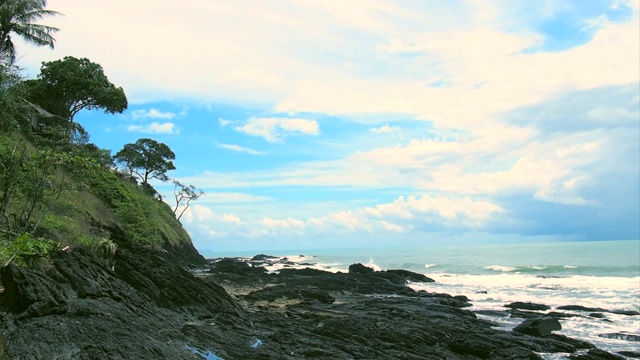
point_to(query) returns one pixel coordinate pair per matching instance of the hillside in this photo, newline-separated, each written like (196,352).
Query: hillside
(58,191)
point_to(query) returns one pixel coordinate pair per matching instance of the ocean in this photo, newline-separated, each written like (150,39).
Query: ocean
(594,274)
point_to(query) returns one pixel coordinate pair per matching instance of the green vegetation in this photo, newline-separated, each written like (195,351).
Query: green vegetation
(52,199)
(57,190)
(146,159)
(65,87)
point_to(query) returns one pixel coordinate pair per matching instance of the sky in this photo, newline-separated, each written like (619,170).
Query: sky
(341,124)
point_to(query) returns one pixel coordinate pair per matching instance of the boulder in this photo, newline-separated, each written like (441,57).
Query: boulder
(359,269)
(581,308)
(630,354)
(262,257)
(527,306)
(539,326)
(597,315)
(409,275)
(237,267)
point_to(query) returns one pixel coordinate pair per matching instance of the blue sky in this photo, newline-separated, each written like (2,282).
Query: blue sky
(322,124)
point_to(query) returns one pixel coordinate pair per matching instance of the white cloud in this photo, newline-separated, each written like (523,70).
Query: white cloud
(231,218)
(415,214)
(276,129)
(498,161)
(239,148)
(152,114)
(224,122)
(261,57)
(154,128)
(288,226)
(385,129)
(199,212)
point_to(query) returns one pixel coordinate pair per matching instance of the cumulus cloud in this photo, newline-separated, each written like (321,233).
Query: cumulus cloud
(155,128)
(276,129)
(152,114)
(403,215)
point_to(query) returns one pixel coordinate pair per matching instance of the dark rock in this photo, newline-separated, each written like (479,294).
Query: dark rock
(143,305)
(515,313)
(359,269)
(171,286)
(303,272)
(574,344)
(631,354)
(527,306)
(621,336)
(626,312)
(591,309)
(538,326)
(481,347)
(31,292)
(459,301)
(494,313)
(597,354)
(597,315)
(581,308)
(409,275)
(274,293)
(263,257)
(237,267)
(561,315)
(138,315)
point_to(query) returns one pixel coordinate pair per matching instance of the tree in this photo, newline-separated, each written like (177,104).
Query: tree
(65,87)
(147,159)
(17,17)
(184,195)
(12,106)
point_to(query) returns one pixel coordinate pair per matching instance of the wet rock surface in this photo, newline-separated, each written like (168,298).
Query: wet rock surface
(538,326)
(527,306)
(144,304)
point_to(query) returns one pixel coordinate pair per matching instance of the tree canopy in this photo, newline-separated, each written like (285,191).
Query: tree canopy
(147,159)
(17,17)
(65,87)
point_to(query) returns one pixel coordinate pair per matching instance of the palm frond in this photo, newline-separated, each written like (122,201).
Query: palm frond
(37,34)
(18,16)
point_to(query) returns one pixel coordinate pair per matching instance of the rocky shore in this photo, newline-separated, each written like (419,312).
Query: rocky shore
(146,303)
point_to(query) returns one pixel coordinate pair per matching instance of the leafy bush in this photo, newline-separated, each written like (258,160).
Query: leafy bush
(12,107)
(25,247)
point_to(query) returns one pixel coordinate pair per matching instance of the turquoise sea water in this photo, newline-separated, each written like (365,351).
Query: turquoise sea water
(593,258)
(598,274)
